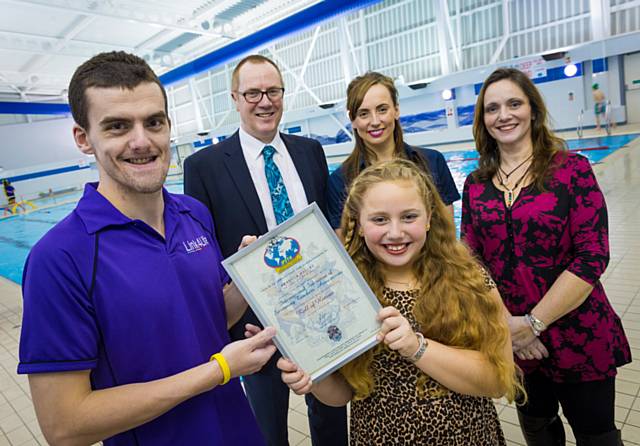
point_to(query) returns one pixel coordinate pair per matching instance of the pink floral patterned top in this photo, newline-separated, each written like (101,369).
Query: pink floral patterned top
(529,245)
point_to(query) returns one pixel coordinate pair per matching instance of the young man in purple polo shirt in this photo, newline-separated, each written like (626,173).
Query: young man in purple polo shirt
(125,299)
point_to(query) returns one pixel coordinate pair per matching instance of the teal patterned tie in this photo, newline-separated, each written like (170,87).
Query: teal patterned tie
(279,197)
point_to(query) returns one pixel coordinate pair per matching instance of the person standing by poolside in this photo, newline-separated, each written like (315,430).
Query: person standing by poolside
(599,104)
(126,304)
(444,349)
(251,182)
(535,216)
(374,111)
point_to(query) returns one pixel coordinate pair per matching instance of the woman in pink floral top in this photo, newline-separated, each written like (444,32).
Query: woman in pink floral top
(535,216)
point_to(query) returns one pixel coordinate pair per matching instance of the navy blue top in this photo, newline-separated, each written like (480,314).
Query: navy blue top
(440,173)
(156,309)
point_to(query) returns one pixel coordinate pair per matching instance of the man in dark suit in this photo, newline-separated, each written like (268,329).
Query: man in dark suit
(251,182)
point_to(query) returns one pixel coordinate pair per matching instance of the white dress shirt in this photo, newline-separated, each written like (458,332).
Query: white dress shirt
(252,151)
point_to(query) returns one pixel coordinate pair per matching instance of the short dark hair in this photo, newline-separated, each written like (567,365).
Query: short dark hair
(107,70)
(256,59)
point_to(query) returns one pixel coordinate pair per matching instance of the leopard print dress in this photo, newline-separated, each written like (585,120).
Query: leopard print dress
(394,413)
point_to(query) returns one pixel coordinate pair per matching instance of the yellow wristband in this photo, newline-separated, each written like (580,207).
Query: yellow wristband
(224,366)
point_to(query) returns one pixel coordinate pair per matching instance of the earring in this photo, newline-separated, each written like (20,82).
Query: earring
(428,227)
(360,233)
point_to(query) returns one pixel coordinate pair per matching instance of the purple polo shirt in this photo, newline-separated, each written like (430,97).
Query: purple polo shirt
(157,309)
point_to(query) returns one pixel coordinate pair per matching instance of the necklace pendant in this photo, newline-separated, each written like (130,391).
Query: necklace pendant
(509,198)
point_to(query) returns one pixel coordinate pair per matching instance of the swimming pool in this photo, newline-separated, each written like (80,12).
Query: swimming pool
(463,162)
(18,234)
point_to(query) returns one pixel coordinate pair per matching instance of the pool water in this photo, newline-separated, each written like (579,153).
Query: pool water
(18,234)
(463,162)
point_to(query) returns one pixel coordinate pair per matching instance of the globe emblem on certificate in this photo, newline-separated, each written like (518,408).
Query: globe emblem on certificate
(334,333)
(282,253)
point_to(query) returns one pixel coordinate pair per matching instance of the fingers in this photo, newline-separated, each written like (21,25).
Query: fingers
(258,358)
(263,337)
(303,387)
(286,365)
(525,353)
(387,312)
(247,240)
(405,345)
(534,350)
(400,334)
(294,377)
(396,332)
(522,341)
(535,353)
(543,350)
(390,322)
(266,353)
(251,330)
(539,350)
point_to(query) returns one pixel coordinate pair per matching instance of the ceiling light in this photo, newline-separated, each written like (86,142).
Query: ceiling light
(570,70)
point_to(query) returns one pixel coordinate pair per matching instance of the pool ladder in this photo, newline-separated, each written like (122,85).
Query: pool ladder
(579,128)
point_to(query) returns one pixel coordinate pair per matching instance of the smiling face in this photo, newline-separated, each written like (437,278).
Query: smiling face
(129,135)
(507,114)
(394,222)
(375,119)
(260,120)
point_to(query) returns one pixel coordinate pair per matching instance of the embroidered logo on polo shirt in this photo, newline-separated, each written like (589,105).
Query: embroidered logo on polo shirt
(191,246)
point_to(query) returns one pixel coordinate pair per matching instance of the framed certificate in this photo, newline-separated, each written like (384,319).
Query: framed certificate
(299,279)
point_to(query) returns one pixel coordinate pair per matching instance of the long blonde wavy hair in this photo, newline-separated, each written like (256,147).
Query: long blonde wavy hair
(453,305)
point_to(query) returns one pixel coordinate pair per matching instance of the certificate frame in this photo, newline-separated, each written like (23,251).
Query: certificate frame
(299,278)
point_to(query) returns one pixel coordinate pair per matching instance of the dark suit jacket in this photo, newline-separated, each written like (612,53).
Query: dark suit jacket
(218,176)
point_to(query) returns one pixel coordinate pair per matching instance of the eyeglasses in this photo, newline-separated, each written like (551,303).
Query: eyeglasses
(255,96)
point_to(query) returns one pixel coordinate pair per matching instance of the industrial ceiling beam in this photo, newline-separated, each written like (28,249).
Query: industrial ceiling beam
(167,18)
(297,22)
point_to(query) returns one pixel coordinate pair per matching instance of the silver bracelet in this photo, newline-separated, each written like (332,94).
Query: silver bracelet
(527,317)
(422,347)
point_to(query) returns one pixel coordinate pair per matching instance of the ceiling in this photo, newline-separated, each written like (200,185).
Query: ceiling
(43,41)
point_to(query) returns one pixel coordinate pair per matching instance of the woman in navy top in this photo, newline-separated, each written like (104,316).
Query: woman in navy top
(372,104)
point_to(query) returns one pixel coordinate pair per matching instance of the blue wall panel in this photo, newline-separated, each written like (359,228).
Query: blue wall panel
(33,108)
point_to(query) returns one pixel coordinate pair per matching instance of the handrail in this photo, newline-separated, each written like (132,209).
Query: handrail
(579,128)
(607,118)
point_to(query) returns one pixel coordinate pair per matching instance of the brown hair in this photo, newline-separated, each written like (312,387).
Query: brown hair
(453,305)
(545,143)
(256,59)
(356,92)
(107,70)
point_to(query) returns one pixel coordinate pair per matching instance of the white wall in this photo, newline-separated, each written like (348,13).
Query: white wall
(42,142)
(632,91)
(563,113)
(38,147)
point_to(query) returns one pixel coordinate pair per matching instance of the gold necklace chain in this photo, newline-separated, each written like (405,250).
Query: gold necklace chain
(408,284)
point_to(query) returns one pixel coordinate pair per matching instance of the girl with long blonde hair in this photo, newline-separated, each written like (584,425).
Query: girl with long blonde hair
(445,348)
